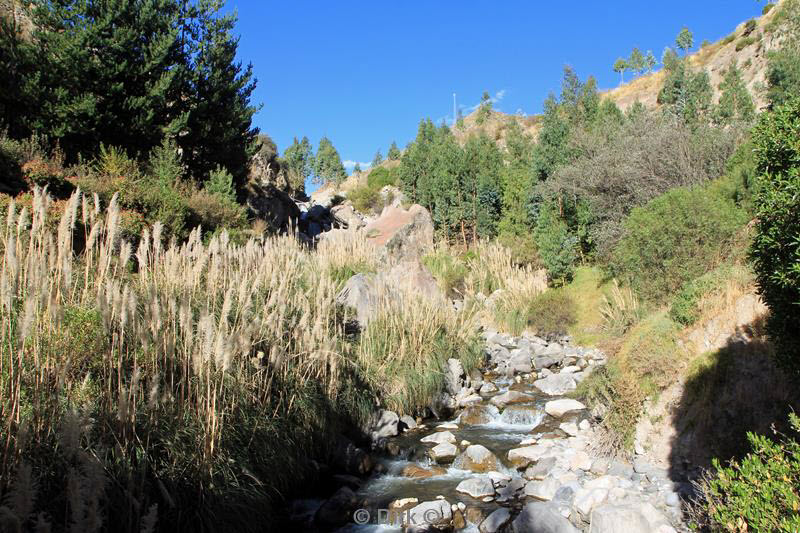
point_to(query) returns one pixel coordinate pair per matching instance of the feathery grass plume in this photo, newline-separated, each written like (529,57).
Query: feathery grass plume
(621,311)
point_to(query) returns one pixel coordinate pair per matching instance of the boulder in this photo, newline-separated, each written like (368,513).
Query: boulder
(613,518)
(432,513)
(558,408)
(587,499)
(488,388)
(478,414)
(541,468)
(359,295)
(477,458)
(528,454)
(570,428)
(385,425)
(272,205)
(495,521)
(511,396)
(542,490)
(402,233)
(416,471)
(556,384)
(477,487)
(444,452)
(338,509)
(509,490)
(407,422)
(439,437)
(541,517)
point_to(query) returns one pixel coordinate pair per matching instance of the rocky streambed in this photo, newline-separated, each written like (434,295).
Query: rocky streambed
(510,452)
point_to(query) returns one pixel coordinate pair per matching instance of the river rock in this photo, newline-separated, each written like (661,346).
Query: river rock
(556,384)
(454,376)
(386,425)
(552,349)
(337,510)
(349,458)
(476,458)
(478,414)
(510,490)
(614,518)
(417,471)
(542,490)
(520,361)
(540,470)
(588,499)
(495,521)
(558,408)
(439,437)
(580,461)
(403,503)
(406,422)
(477,487)
(527,454)
(511,396)
(570,428)
(488,388)
(541,517)
(543,361)
(444,452)
(432,513)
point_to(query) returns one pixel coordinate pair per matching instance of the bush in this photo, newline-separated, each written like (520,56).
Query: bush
(729,39)
(522,247)
(767,8)
(657,258)
(556,246)
(760,493)
(744,42)
(749,27)
(381,177)
(213,211)
(549,313)
(775,252)
(365,199)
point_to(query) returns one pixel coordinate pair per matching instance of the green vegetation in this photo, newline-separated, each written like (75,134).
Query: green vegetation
(367,198)
(783,68)
(760,492)
(744,42)
(685,308)
(775,252)
(551,312)
(685,40)
(394,152)
(735,102)
(327,164)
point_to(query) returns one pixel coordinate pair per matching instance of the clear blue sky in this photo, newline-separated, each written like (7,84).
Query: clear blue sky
(364,73)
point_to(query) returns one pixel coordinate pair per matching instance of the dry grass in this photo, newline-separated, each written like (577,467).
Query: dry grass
(184,363)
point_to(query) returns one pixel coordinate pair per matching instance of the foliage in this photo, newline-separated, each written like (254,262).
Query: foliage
(775,252)
(685,40)
(760,492)
(783,67)
(299,161)
(735,102)
(685,308)
(484,109)
(378,178)
(365,199)
(555,245)
(621,65)
(621,311)
(377,160)
(220,184)
(162,68)
(449,271)
(686,94)
(656,258)
(744,42)
(327,164)
(394,152)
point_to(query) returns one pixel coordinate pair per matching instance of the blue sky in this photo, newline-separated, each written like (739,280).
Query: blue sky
(364,73)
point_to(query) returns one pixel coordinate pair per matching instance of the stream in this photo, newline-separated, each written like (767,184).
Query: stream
(523,443)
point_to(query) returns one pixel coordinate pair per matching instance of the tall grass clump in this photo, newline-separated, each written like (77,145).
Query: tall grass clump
(165,381)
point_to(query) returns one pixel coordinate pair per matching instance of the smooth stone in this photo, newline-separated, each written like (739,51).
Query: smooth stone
(386,425)
(475,415)
(580,461)
(570,428)
(558,408)
(496,520)
(408,422)
(432,513)
(422,473)
(585,425)
(488,388)
(511,396)
(540,470)
(477,458)
(439,437)
(542,490)
(556,384)
(446,425)
(588,499)
(524,456)
(477,487)
(403,503)
(443,452)
(542,517)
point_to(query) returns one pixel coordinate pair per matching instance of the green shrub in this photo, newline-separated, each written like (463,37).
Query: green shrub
(744,42)
(775,251)
(365,199)
(674,238)
(760,493)
(523,249)
(750,26)
(729,39)
(220,184)
(549,313)
(556,246)
(381,177)
(213,211)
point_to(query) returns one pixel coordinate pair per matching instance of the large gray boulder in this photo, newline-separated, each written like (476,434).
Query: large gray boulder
(496,520)
(385,425)
(433,513)
(542,517)
(556,384)
(454,376)
(558,408)
(477,487)
(477,458)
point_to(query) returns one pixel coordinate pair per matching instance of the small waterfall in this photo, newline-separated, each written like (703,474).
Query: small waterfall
(521,417)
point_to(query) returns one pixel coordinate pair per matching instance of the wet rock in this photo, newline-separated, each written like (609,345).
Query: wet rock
(444,452)
(558,408)
(478,414)
(556,384)
(432,513)
(477,458)
(475,515)
(403,504)
(439,437)
(511,396)
(458,520)
(510,490)
(488,388)
(416,471)
(496,520)
(541,517)
(477,487)
(527,454)
(542,490)
(406,422)
(337,510)
(522,415)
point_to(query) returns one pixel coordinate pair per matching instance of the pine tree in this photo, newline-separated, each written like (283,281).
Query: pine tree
(298,160)
(377,160)
(328,166)
(650,61)
(394,152)
(485,108)
(636,61)
(357,168)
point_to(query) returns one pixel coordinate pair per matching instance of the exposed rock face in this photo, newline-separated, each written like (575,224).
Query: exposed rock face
(404,234)
(272,205)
